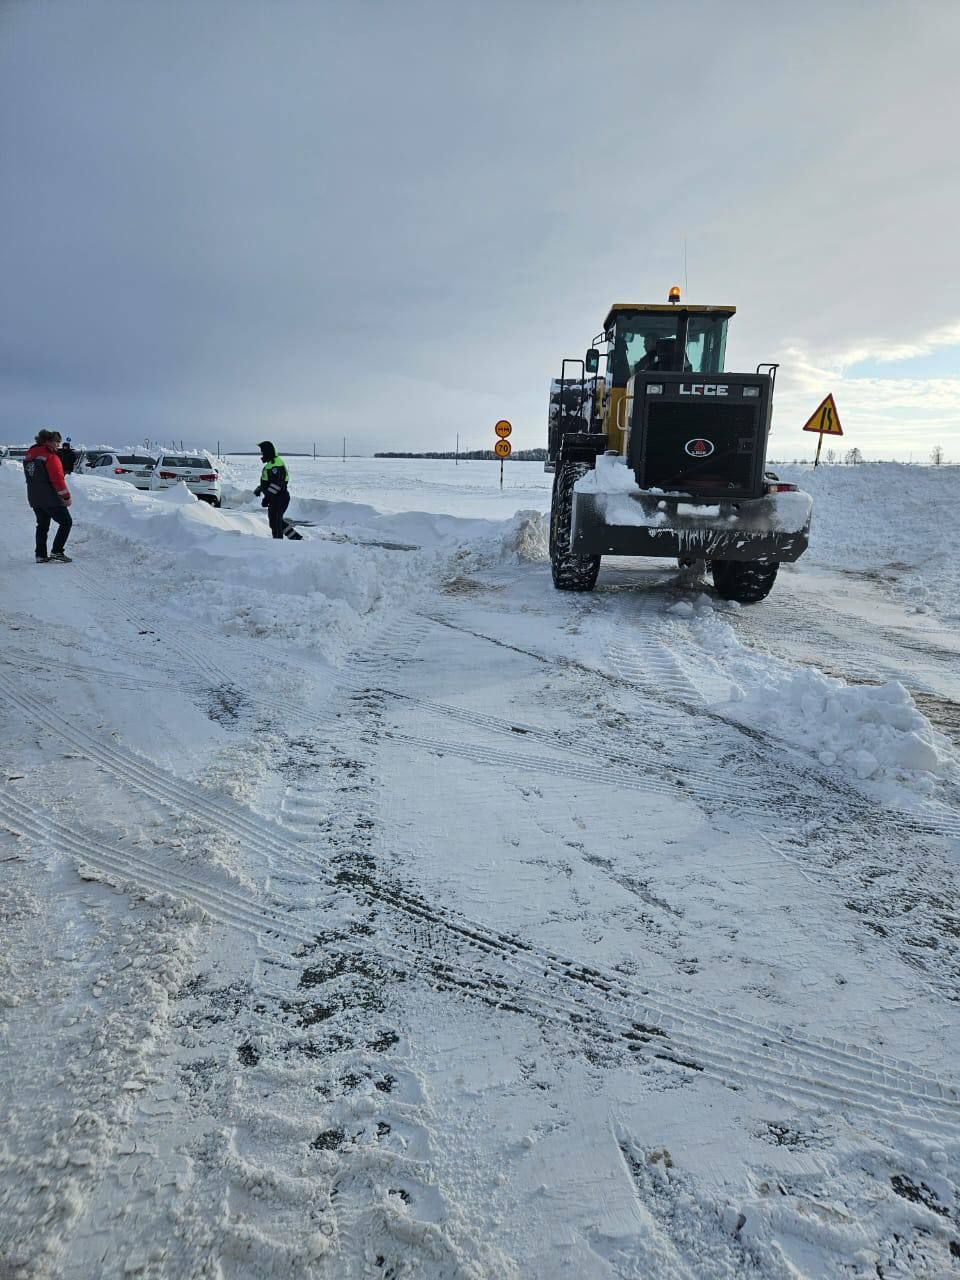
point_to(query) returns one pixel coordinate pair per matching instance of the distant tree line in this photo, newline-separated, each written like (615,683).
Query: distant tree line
(474,455)
(853,457)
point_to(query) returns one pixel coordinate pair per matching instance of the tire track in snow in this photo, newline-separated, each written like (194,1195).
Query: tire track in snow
(849,644)
(404,645)
(255,1159)
(910,912)
(220,903)
(205,806)
(908,916)
(501,946)
(430,744)
(649,663)
(665,1033)
(707,785)
(932,818)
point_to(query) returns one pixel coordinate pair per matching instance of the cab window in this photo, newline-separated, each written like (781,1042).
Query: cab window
(644,343)
(706,343)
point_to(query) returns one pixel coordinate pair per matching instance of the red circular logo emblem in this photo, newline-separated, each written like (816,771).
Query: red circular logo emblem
(699,448)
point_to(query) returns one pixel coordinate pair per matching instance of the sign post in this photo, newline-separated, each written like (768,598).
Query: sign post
(826,421)
(502,448)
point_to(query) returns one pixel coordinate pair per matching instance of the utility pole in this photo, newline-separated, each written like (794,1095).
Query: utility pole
(457,454)
(314,450)
(344,449)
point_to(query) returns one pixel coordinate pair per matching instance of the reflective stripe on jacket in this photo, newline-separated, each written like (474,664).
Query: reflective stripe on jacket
(273,478)
(46,486)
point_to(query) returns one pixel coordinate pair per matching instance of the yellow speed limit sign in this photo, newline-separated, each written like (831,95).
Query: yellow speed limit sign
(503,429)
(503,449)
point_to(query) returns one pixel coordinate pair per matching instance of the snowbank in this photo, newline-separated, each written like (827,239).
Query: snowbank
(469,491)
(893,523)
(896,524)
(404,529)
(223,566)
(872,732)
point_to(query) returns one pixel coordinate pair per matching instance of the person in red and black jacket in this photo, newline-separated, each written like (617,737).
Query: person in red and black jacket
(48,494)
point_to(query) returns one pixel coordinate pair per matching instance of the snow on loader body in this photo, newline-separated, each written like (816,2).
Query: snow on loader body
(664,454)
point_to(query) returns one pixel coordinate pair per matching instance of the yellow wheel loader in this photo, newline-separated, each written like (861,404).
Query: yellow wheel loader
(661,452)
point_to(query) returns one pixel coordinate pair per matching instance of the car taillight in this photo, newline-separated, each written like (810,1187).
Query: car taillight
(168,475)
(211,475)
(120,471)
(782,488)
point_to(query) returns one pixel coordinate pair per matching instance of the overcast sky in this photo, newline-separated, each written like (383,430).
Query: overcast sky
(390,221)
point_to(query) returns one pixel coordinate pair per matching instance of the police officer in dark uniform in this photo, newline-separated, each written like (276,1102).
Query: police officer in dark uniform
(273,486)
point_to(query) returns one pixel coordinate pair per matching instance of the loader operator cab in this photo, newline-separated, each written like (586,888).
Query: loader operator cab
(679,341)
(652,337)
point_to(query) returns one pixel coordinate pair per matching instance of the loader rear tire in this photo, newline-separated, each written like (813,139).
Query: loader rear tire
(571,572)
(745,581)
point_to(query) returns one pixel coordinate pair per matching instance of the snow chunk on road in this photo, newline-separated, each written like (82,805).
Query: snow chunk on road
(527,536)
(872,731)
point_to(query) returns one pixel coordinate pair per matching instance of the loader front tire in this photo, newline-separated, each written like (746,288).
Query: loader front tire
(745,581)
(571,572)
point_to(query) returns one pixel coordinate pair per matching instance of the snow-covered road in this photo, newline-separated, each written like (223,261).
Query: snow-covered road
(381,912)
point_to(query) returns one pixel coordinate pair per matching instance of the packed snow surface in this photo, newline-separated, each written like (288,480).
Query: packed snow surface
(371,909)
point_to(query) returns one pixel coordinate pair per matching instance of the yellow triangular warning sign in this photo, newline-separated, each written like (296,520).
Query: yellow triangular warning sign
(825,419)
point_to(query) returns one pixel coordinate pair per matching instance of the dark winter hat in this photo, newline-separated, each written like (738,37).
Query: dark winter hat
(267,447)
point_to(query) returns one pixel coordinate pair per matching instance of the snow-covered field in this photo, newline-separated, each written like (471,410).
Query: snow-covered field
(371,909)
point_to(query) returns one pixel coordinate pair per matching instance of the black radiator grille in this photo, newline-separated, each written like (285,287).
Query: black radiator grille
(677,440)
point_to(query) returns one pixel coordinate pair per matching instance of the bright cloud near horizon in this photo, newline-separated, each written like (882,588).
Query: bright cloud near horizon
(390,222)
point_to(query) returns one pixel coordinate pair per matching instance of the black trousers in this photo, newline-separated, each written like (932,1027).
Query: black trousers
(60,516)
(275,509)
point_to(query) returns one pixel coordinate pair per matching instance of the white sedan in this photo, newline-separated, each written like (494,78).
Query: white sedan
(197,469)
(134,468)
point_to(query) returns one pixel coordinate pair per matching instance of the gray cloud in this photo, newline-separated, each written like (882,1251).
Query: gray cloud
(392,220)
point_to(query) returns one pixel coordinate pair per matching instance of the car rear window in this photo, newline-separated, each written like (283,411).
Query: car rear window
(134,459)
(199,464)
(17,453)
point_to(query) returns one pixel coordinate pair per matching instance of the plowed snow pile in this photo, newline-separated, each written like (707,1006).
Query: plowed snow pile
(868,731)
(353,564)
(873,733)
